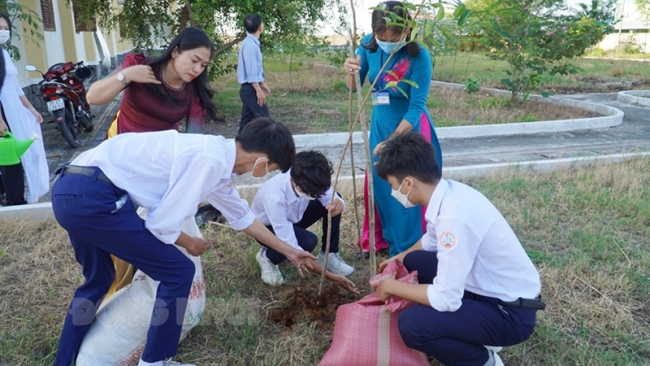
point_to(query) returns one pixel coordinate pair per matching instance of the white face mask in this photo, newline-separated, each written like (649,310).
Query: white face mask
(249,178)
(401,197)
(4,36)
(304,195)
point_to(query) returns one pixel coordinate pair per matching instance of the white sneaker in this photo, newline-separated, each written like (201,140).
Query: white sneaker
(164,363)
(335,264)
(495,349)
(174,363)
(494,355)
(270,272)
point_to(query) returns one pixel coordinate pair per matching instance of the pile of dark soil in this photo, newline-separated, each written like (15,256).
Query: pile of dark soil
(302,302)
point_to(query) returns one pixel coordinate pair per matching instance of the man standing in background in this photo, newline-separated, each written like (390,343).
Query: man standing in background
(250,73)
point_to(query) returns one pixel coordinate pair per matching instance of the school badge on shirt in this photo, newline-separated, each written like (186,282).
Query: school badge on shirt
(447,240)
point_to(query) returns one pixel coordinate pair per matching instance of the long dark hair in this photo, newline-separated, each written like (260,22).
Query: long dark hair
(3,68)
(378,24)
(188,39)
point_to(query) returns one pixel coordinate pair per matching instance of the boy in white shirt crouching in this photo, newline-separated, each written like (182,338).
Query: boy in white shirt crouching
(170,174)
(477,286)
(291,202)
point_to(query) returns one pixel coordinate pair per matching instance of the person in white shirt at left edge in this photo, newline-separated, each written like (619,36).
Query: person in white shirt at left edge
(478,288)
(170,174)
(291,202)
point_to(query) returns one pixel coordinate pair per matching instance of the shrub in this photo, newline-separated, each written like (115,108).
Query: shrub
(472,84)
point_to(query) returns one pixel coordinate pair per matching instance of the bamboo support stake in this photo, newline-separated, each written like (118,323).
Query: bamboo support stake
(360,117)
(366,143)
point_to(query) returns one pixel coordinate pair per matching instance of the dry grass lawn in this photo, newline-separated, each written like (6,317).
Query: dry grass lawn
(312,98)
(587,230)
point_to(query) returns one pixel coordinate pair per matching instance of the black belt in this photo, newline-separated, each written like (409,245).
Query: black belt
(86,171)
(537,303)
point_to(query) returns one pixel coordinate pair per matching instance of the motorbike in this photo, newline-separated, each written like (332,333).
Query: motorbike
(64,93)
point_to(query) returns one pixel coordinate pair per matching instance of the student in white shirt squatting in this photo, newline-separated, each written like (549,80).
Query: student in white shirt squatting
(170,174)
(291,202)
(478,289)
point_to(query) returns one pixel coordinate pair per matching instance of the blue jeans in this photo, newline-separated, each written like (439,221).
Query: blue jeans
(457,338)
(101,220)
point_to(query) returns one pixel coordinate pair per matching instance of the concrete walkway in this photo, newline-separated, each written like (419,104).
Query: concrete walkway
(633,135)
(479,153)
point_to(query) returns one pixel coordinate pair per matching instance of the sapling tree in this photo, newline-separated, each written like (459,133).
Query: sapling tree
(538,38)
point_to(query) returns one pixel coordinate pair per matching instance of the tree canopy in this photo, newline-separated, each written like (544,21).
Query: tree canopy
(149,24)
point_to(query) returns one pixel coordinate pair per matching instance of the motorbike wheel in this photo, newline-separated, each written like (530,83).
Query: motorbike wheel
(86,122)
(68,131)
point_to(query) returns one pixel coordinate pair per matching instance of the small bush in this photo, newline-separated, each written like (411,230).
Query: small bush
(339,86)
(472,84)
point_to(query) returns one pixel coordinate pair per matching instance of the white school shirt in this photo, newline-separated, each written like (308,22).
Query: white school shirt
(277,204)
(170,174)
(476,248)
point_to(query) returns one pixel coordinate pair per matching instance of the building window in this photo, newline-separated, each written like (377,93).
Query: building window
(47,11)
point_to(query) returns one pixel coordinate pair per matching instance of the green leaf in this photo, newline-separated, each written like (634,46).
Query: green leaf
(391,84)
(402,91)
(440,15)
(410,82)
(501,33)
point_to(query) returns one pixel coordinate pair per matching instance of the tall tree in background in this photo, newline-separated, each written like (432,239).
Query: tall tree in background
(149,24)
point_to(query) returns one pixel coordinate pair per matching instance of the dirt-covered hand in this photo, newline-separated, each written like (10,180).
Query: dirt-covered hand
(345,284)
(301,260)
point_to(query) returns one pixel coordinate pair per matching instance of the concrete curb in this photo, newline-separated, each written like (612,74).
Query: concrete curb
(639,97)
(610,117)
(43,211)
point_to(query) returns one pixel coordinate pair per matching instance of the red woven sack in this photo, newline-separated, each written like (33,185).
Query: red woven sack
(366,334)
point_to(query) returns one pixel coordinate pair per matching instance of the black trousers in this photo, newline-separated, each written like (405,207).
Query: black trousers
(306,239)
(250,110)
(13,180)
(457,337)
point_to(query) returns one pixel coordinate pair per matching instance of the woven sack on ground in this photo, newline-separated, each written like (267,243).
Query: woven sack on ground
(366,334)
(119,333)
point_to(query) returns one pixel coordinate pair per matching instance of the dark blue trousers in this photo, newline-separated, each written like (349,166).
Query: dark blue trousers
(250,110)
(101,220)
(457,338)
(306,239)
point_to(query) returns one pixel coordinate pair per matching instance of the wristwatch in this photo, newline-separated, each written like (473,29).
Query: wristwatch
(121,79)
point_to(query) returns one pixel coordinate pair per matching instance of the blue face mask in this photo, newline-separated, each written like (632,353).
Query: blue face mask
(388,47)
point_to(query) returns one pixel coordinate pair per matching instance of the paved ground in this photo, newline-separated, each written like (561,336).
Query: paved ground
(631,136)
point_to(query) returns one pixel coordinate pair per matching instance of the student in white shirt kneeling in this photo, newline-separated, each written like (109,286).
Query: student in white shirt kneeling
(477,286)
(291,202)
